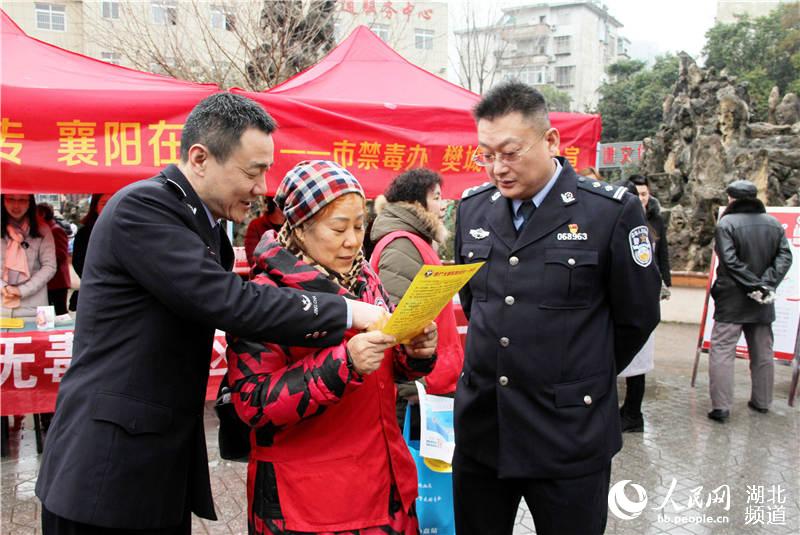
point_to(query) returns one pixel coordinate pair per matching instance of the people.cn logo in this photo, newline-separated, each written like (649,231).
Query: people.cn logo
(621,506)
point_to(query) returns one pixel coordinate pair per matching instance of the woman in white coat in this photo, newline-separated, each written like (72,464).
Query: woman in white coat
(29,256)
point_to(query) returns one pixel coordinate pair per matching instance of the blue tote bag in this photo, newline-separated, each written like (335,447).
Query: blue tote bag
(435,482)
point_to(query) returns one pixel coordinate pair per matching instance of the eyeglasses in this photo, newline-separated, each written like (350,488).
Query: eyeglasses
(487,159)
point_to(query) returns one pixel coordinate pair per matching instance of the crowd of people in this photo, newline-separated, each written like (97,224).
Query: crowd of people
(553,321)
(52,249)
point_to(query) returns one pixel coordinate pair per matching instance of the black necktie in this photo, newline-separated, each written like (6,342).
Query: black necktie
(216,240)
(525,210)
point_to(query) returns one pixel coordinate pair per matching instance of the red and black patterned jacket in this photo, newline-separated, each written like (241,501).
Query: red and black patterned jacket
(325,446)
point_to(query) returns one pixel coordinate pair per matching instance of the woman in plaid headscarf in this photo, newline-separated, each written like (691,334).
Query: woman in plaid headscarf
(326,452)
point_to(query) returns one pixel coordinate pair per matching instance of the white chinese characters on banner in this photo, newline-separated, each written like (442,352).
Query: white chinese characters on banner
(61,353)
(33,365)
(12,361)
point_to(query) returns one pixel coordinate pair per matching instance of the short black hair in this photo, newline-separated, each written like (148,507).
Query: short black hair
(413,186)
(219,121)
(269,205)
(510,97)
(639,180)
(46,211)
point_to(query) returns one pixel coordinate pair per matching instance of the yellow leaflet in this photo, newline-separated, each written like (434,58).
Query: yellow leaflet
(432,288)
(12,323)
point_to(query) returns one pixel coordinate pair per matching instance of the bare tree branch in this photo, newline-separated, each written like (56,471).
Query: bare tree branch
(253,44)
(478,48)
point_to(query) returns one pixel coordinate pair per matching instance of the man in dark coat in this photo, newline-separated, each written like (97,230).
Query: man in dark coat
(568,295)
(126,449)
(754,257)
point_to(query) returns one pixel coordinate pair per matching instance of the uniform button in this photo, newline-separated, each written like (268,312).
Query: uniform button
(381,385)
(509,299)
(587,399)
(308,335)
(503,380)
(470,254)
(504,341)
(513,260)
(323,334)
(571,261)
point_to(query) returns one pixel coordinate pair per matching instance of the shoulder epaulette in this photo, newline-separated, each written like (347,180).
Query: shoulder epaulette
(604,189)
(469,192)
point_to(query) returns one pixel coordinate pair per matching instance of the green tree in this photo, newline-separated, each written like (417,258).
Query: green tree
(764,51)
(631,104)
(556,100)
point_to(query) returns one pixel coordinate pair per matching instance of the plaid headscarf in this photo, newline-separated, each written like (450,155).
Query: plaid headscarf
(311,185)
(307,188)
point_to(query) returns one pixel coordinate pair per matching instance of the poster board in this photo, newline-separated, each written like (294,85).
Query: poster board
(787,301)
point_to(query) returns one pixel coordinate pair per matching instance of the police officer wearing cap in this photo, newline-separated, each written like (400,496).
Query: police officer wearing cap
(568,295)
(754,257)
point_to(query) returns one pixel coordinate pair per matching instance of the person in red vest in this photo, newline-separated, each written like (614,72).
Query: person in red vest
(271,218)
(405,234)
(326,453)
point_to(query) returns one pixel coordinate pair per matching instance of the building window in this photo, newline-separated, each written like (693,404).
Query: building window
(164,12)
(381,30)
(562,44)
(423,39)
(51,17)
(533,75)
(541,46)
(111,57)
(110,10)
(565,76)
(542,19)
(221,19)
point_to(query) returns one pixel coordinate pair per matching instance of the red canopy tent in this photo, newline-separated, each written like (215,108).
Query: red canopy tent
(73,124)
(372,111)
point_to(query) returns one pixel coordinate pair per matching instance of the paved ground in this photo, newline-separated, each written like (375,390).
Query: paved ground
(754,461)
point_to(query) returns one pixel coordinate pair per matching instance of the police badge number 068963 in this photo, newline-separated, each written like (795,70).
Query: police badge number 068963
(639,242)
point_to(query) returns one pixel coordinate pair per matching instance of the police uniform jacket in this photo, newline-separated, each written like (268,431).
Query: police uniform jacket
(553,315)
(126,448)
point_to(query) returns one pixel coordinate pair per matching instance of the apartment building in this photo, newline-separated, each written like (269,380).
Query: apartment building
(212,40)
(564,44)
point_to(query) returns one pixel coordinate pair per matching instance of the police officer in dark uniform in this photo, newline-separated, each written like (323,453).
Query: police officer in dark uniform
(568,295)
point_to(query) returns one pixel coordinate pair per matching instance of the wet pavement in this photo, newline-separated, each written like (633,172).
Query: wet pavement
(697,476)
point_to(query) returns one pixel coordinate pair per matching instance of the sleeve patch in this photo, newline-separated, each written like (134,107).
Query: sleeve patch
(641,250)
